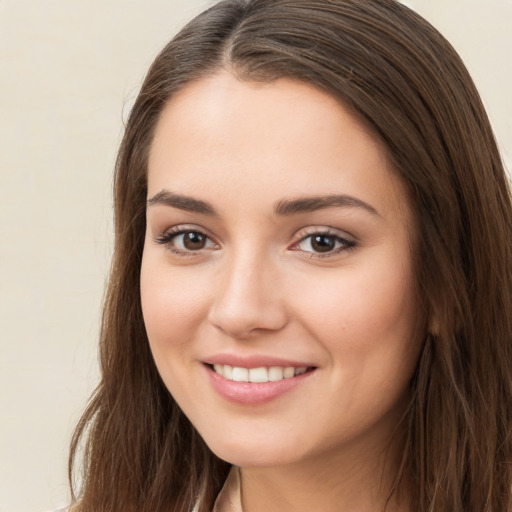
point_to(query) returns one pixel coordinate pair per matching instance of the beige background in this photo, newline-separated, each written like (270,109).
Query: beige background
(68,72)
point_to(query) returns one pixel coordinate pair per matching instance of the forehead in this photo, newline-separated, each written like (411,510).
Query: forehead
(284,137)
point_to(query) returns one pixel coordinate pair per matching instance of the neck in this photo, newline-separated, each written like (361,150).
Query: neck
(355,480)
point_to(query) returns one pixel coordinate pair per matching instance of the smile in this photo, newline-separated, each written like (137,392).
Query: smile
(256,385)
(262,374)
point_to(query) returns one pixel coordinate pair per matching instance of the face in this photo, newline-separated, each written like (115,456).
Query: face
(276,280)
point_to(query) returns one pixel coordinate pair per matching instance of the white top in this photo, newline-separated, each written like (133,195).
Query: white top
(230,498)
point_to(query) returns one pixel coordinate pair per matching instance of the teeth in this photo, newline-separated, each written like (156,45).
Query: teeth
(272,374)
(240,374)
(288,372)
(228,371)
(258,375)
(275,373)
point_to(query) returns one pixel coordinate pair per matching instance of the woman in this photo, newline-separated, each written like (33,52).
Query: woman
(311,284)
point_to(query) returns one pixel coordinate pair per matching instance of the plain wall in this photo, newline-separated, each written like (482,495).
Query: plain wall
(68,73)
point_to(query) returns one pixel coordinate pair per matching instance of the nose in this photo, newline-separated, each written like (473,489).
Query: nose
(249,299)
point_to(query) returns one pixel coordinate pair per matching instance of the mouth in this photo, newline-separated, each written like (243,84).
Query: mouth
(257,385)
(259,375)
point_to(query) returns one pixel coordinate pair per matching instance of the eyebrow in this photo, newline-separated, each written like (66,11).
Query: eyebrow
(282,208)
(311,204)
(181,202)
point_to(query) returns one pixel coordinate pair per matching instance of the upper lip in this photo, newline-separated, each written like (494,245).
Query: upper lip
(254,361)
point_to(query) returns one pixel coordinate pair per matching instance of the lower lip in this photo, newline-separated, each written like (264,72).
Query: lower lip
(252,393)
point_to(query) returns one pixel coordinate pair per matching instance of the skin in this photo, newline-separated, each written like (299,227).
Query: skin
(259,286)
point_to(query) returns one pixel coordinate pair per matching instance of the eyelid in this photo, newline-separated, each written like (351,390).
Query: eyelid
(324,230)
(168,235)
(348,240)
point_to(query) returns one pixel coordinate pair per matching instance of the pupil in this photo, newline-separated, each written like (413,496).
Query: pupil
(193,240)
(322,243)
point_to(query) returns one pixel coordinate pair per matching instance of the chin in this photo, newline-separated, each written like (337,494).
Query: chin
(262,453)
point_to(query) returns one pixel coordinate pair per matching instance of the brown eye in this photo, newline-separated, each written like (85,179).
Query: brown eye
(194,241)
(323,243)
(186,241)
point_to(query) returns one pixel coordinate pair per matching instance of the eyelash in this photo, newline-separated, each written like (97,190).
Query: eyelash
(170,235)
(347,245)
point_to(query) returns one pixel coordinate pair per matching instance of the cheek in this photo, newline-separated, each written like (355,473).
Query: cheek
(366,316)
(173,306)
(362,299)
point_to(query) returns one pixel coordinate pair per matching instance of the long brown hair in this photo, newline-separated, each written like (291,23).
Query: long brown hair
(405,81)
